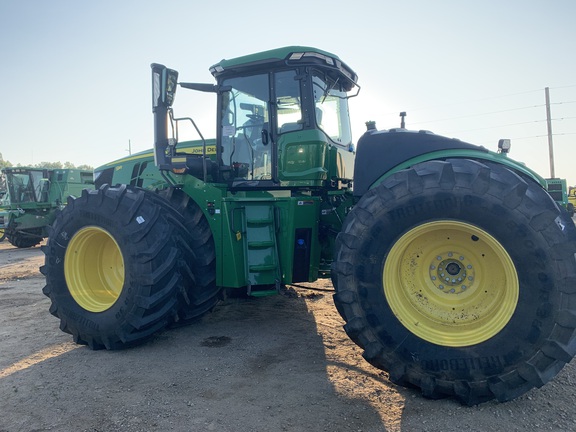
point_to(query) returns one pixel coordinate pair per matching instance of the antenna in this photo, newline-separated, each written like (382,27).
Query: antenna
(402,122)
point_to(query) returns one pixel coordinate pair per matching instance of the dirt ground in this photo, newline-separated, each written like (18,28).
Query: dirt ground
(280,363)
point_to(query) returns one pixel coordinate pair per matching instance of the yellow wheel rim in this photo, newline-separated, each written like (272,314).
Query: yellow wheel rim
(94,269)
(451,283)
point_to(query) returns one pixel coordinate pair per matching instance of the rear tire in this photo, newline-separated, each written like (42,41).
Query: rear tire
(198,264)
(458,277)
(112,266)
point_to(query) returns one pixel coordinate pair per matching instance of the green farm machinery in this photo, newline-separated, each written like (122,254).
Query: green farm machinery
(30,199)
(558,189)
(453,268)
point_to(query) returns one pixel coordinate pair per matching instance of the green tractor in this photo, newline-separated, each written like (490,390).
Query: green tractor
(453,268)
(558,189)
(30,199)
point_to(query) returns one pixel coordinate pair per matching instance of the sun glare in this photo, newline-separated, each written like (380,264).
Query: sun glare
(38,357)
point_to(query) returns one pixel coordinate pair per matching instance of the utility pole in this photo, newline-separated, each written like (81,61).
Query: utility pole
(550,144)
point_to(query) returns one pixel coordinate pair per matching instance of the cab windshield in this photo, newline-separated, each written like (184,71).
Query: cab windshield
(26,187)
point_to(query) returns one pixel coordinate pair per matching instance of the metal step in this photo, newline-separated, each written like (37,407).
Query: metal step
(260,247)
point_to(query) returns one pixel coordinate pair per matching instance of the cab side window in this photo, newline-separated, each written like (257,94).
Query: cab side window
(244,117)
(288,102)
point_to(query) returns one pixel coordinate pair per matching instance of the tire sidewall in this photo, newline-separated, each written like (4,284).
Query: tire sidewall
(71,220)
(533,318)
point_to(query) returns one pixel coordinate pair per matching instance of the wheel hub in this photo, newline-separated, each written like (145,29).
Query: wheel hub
(94,269)
(450,283)
(451,273)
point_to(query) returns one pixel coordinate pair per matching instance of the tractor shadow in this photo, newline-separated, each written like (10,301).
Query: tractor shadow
(276,363)
(268,364)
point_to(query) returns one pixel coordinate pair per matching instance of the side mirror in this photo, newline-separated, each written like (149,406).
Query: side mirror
(164,82)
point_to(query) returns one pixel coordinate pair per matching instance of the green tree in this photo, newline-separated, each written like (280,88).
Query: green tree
(65,165)
(4,163)
(49,165)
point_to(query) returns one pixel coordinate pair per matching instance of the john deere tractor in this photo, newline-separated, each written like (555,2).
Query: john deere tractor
(558,189)
(30,199)
(453,268)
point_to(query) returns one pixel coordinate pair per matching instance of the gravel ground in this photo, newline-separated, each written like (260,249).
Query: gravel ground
(280,363)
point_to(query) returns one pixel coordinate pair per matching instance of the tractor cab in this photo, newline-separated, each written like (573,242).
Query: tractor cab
(25,186)
(282,121)
(3,188)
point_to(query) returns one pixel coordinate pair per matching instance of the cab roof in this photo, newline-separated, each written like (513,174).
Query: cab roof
(290,55)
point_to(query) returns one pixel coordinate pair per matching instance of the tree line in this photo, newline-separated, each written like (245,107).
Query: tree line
(48,165)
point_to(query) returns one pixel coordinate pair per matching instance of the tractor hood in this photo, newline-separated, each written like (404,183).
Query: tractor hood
(382,153)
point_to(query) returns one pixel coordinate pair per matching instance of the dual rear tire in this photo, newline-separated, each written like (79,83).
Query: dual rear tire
(119,266)
(459,278)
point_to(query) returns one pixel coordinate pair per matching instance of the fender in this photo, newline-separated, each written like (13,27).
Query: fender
(382,153)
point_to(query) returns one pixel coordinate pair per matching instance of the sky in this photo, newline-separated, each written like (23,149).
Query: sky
(75,75)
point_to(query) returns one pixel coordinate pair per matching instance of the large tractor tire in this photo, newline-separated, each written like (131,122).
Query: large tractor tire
(459,278)
(23,239)
(113,266)
(202,294)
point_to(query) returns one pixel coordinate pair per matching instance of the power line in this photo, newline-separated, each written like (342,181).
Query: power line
(484,99)
(498,112)
(474,100)
(488,98)
(501,111)
(562,103)
(481,114)
(514,124)
(567,86)
(499,126)
(537,136)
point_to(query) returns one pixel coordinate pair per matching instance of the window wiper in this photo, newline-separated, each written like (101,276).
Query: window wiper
(328,90)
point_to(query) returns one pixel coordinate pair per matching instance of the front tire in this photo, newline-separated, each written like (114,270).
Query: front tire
(458,277)
(111,266)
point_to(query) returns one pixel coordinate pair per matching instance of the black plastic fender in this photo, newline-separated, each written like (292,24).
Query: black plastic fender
(378,152)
